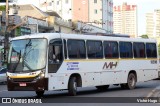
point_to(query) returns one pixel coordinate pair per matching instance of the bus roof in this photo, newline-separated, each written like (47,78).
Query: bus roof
(50,36)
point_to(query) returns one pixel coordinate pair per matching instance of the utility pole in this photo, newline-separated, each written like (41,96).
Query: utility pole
(6,14)
(6,39)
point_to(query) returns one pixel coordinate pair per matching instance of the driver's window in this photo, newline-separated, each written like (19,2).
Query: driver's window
(55,55)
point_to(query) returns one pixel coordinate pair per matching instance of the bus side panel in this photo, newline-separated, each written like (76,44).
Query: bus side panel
(87,79)
(58,81)
(113,77)
(97,78)
(140,75)
(151,74)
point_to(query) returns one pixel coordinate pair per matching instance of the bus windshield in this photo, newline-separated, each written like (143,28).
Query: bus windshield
(27,55)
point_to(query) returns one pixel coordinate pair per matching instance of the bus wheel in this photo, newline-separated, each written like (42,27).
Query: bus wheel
(72,87)
(39,93)
(103,87)
(131,81)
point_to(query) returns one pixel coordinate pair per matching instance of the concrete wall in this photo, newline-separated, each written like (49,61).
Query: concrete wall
(29,10)
(95,16)
(80,10)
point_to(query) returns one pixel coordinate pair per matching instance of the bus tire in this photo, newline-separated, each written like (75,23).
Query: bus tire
(103,87)
(39,93)
(72,87)
(131,81)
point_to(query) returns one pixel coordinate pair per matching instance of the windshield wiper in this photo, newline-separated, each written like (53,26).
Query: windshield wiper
(25,55)
(26,64)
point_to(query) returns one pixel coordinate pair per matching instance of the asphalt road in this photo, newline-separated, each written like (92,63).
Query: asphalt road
(91,94)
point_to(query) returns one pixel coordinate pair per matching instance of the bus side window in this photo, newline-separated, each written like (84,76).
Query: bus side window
(139,50)
(151,50)
(65,49)
(111,49)
(125,49)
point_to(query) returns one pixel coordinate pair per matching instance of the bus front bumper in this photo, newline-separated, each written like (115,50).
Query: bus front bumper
(38,85)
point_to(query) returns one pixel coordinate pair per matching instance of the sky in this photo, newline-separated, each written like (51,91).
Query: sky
(144,6)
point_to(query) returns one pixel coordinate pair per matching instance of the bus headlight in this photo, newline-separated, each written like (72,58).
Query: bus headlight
(40,76)
(8,78)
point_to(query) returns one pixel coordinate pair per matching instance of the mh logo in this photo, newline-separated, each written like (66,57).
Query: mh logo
(110,65)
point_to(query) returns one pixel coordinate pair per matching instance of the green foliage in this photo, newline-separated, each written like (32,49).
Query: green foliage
(2,8)
(144,36)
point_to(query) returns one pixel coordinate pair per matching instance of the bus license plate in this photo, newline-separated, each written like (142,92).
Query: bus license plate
(22,84)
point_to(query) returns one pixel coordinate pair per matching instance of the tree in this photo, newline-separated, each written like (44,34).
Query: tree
(144,36)
(2,8)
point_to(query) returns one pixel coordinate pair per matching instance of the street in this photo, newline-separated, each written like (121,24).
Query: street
(143,89)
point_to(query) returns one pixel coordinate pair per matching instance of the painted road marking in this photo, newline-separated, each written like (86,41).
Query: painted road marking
(153,91)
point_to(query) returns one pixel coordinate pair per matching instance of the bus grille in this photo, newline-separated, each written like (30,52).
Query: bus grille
(23,79)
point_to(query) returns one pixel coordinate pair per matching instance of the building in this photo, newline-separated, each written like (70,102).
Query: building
(80,10)
(57,6)
(41,22)
(95,12)
(153,24)
(125,19)
(101,11)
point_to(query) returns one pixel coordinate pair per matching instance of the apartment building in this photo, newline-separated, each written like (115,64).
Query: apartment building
(153,23)
(125,19)
(95,12)
(101,11)
(62,7)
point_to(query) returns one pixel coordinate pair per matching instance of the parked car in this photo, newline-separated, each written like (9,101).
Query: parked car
(3,78)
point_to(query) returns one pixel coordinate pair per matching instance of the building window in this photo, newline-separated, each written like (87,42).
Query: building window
(66,1)
(95,11)
(57,2)
(95,1)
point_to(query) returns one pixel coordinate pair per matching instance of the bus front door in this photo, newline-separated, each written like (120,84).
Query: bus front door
(55,58)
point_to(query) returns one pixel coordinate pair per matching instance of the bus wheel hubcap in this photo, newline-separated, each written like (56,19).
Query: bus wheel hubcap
(132,81)
(75,86)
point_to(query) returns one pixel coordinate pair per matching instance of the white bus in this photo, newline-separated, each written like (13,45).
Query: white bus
(55,61)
